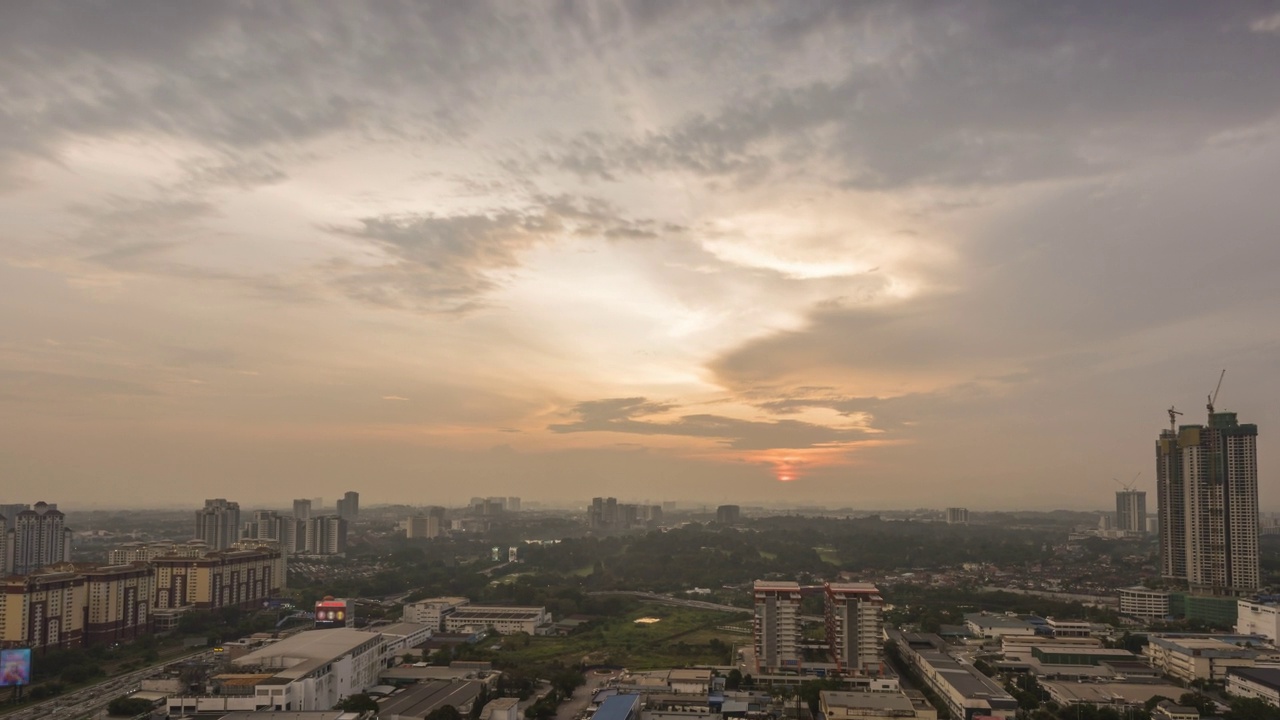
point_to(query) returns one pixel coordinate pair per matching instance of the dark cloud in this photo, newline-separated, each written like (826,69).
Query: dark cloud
(448,263)
(976,93)
(624,415)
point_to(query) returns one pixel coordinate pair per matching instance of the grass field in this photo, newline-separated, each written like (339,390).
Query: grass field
(682,636)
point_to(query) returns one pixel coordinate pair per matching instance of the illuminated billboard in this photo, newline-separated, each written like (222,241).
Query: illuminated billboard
(15,667)
(332,613)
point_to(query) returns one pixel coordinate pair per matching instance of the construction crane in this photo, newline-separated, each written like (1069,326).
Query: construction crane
(1214,397)
(1173,418)
(1129,486)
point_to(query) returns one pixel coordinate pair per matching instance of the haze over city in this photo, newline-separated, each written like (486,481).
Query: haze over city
(858,254)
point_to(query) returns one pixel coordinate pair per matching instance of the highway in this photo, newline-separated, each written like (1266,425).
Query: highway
(87,701)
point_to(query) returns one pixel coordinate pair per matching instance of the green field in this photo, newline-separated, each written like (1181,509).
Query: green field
(682,636)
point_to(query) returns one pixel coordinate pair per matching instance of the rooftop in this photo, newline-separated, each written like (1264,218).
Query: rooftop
(401,629)
(309,645)
(868,701)
(617,707)
(1269,677)
(476,612)
(419,700)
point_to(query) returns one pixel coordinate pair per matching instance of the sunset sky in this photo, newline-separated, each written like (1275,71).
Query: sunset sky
(869,254)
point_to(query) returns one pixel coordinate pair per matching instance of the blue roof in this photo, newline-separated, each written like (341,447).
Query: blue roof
(618,707)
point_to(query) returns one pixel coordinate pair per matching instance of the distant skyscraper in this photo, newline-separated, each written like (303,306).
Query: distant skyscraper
(36,538)
(728,514)
(218,524)
(1131,511)
(302,509)
(349,506)
(776,626)
(957,516)
(326,535)
(513,504)
(1207,493)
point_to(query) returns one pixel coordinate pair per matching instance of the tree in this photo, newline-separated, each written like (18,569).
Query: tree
(125,706)
(358,703)
(1251,709)
(1200,702)
(734,680)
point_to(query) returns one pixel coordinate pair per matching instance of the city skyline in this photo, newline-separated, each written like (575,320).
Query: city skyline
(873,254)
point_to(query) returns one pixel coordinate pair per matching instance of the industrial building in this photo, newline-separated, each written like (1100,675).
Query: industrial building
(501,619)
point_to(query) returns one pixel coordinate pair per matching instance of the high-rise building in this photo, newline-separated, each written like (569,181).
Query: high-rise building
(1207,493)
(728,514)
(853,618)
(265,525)
(326,535)
(36,538)
(957,516)
(302,509)
(776,626)
(218,524)
(1131,511)
(349,506)
(421,526)
(513,504)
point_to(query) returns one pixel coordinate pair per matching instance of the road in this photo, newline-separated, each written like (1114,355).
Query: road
(88,700)
(573,707)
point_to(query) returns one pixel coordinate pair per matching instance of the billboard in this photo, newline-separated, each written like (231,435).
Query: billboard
(15,667)
(332,613)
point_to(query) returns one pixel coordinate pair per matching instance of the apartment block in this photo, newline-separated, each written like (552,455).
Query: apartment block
(853,614)
(43,610)
(227,578)
(118,602)
(776,626)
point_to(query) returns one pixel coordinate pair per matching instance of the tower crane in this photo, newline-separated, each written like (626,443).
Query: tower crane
(1128,487)
(1214,397)
(1173,418)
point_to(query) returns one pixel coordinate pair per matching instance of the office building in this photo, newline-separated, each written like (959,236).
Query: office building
(1258,618)
(776,626)
(36,538)
(1207,493)
(349,507)
(728,514)
(421,526)
(1131,511)
(957,516)
(1144,603)
(218,524)
(432,611)
(302,509)
(853,617)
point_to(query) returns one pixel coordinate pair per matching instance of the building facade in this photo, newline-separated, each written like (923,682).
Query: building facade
(326,535)
(853,615)
(1131,511)
(957,516)
(118,603)
(227,578)
(1145,603)
(1207,491)
(776,626)
(1255,618)
(218,524)
(43,610)
(349,506)
(36,538)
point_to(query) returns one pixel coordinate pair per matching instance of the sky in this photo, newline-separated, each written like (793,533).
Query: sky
(877,255)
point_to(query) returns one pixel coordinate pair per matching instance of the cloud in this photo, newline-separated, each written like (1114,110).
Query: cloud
(624,415)
(448,263)
(395,397)
(1268,24)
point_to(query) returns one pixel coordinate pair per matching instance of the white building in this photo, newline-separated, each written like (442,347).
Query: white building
(1145,603)
(957,516)
(432,611)
(1255,618)
(402,637)
(1131,511)
(312,670)
(1260,683)
(1202,658)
